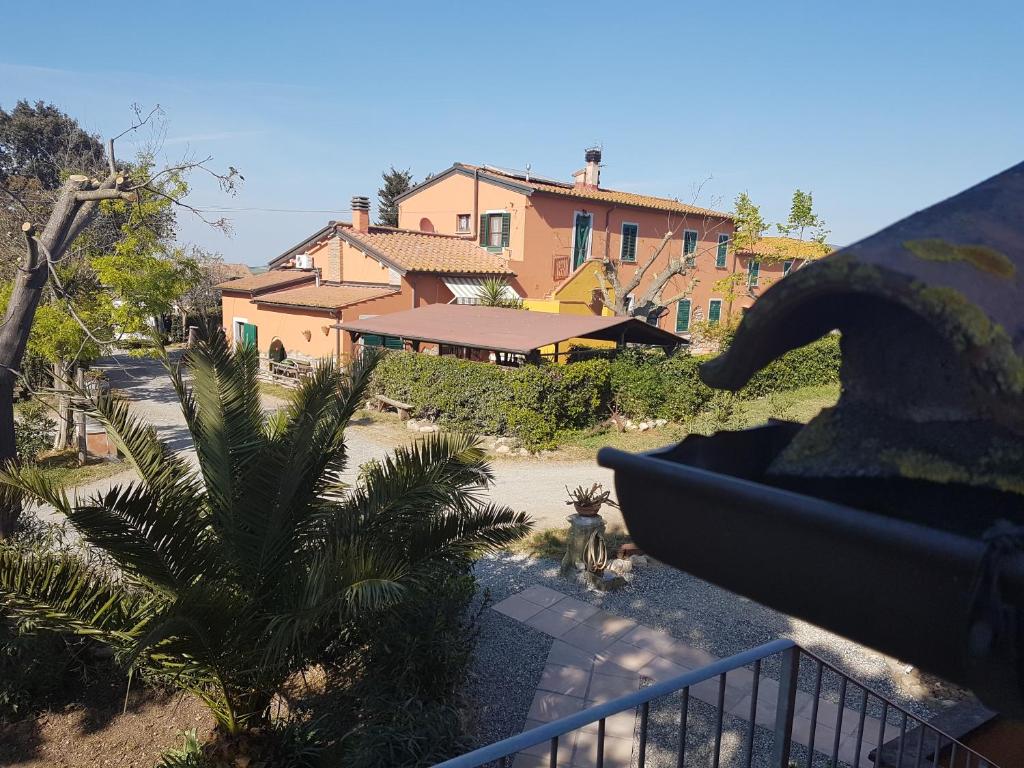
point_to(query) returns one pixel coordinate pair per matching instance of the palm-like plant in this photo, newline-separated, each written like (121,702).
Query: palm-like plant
(230,577)
(496,292)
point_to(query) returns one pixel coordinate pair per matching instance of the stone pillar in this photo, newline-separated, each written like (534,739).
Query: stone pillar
(581,528)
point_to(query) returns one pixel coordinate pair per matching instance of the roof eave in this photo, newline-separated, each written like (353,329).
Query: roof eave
(291,251)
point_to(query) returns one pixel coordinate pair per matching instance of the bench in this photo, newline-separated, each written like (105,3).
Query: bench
(382,402)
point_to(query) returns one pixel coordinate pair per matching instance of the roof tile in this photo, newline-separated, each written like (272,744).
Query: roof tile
(429,252)
(276,278)
(325,296)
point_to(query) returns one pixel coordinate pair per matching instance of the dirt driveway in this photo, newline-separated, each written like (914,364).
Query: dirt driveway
(533,485)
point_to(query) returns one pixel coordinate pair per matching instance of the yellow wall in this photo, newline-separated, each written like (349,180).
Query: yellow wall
(565,308)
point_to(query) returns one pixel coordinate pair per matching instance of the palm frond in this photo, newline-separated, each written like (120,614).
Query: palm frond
(460,534)
(58,592)
(441,471)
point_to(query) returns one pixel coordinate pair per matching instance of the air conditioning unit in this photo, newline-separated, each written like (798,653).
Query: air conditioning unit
(303,261)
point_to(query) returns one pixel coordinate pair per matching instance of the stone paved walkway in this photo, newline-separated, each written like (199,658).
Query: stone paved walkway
(597,656)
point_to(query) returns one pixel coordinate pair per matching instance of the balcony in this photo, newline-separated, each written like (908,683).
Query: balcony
(703,717)
(561,267)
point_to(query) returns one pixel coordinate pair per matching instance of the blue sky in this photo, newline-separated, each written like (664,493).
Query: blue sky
(878,108)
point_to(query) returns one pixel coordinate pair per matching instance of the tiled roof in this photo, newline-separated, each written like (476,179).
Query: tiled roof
(614,196)
(325,296)
(787,248)
(275,278)
(232,271)
(427,252)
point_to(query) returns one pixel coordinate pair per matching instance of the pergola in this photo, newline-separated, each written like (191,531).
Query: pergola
(508,331)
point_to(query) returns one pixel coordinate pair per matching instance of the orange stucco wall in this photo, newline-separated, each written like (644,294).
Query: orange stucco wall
(288,325)
(357,267)
(542,231)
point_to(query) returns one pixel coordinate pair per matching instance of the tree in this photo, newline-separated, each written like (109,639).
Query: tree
(620,296)
(229,578)
(803,223)
(495,292)
(395,183)
(73,209)
(750,227)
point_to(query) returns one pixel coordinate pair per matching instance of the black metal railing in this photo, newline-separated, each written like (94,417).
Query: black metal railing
(793,722)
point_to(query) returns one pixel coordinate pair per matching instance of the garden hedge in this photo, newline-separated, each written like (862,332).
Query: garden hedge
(535,402)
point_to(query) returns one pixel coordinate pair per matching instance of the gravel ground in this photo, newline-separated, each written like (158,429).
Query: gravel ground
(697,613)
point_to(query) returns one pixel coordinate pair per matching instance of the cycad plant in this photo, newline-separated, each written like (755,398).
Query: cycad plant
(229,575)
(495,292)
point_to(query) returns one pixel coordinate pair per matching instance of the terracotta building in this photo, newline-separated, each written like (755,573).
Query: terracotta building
(349,271)
(553,232)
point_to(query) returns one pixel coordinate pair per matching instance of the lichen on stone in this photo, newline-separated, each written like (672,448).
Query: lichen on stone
(981,257)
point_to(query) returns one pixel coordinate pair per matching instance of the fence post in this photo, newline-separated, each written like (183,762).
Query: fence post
(83,438)
(785,707)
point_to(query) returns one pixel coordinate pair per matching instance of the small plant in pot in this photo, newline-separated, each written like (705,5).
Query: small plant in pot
(588,501)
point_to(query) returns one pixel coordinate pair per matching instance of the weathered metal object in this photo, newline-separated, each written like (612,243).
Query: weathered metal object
(897,517)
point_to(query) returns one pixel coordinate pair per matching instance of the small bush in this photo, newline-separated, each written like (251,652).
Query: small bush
(33,430)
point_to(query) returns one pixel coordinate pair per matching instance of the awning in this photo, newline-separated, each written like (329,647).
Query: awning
(506,330)
(467,289)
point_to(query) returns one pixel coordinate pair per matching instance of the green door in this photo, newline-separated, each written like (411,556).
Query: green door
(581,239)
(249,334)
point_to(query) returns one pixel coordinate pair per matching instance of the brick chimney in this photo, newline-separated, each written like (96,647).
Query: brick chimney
(360,213)
(589,177)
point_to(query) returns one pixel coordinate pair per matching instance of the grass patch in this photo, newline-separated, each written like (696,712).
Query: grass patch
(801,405)
(62,469)
(276,390)
(550,544)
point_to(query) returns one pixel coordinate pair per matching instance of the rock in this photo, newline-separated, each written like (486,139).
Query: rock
(620,566)
(660,422)
(638,559)
(523,452)
(604,582)
(627,550)
(430,428)
(503,449)
(644,426)
(413,425)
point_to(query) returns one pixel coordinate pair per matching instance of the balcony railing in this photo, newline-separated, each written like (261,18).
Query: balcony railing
(829,728)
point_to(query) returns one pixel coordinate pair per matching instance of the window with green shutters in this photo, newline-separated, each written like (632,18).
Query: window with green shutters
(581,238)
(682,316)
(714,311)
(495,229)
(388,342)
(753,272)
(690,246)
(723,250)
(629,236)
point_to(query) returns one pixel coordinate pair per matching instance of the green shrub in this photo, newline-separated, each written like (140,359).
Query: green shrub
(33,430)
(534,403)
(413,663)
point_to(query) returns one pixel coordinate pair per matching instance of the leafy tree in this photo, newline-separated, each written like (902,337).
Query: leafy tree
(750,225)
(395,183)
(68,213)
(229,578)
(495,292)
(803,223)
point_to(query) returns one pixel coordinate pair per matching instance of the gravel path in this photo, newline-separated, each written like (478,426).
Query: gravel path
(692,610)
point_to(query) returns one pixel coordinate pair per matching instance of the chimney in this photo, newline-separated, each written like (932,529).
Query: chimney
(589,177)
(360,213)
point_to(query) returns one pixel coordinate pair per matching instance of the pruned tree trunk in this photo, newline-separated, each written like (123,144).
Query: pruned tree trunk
(75,207)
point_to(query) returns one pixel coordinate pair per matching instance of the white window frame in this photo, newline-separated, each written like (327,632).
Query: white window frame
(728,239)
(710,302)
(235,331)
(622,239)
(490,232)
(590,236)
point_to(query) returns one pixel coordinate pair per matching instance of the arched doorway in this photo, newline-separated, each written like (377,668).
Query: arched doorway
(426,225)
(276,352)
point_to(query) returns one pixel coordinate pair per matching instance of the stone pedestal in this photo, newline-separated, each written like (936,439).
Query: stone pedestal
(581,528)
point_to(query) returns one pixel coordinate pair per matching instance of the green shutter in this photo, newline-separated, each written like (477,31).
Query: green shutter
(682,316)
(723,249)
(483,229)
(753,270)
(787,265)
(391,342)
(714,311)
(690,242)
(372,340)
(249,334)
(506,228)
(629,238)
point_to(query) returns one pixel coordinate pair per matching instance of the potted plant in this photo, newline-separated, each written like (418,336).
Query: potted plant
(588,501)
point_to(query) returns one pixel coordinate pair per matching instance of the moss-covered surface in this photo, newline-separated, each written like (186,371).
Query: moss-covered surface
(981,257)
